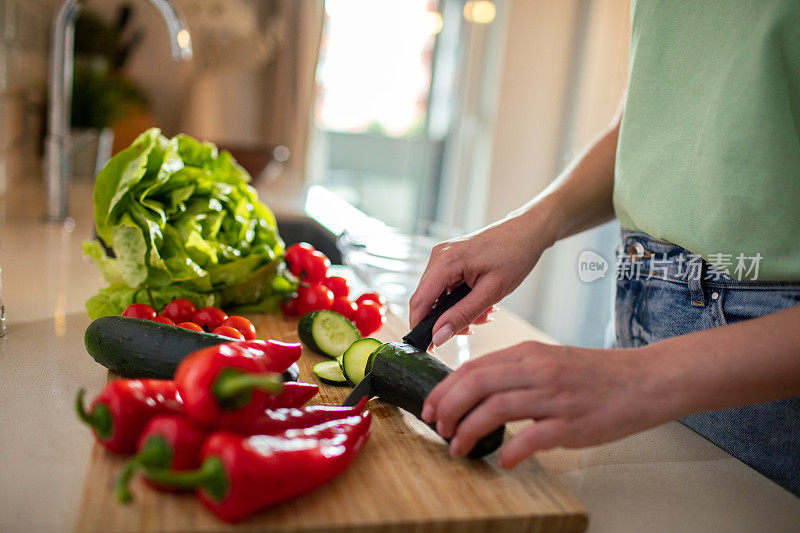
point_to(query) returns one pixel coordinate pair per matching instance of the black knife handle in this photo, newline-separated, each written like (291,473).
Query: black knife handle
(422,335)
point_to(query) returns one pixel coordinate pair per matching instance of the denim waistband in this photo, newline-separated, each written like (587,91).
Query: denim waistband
(641,256)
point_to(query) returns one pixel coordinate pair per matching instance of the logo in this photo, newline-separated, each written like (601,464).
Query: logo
(591,266)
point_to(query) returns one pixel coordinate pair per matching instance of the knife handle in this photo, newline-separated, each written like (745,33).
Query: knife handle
(422,335)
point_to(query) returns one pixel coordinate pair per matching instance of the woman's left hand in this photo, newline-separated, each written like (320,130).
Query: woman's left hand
(576,396)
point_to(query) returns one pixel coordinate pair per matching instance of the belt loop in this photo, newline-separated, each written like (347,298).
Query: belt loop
(696,285)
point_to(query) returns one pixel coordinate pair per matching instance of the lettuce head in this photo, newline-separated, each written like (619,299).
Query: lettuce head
(176,218)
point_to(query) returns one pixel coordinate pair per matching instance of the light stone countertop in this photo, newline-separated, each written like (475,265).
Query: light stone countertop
(665,479)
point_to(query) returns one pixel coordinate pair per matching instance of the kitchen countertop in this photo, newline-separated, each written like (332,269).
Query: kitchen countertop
(664,479)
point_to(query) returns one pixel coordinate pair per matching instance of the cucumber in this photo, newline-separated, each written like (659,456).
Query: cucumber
(137,348)
(404,376)
(327,333)
(329,372)
(354,360)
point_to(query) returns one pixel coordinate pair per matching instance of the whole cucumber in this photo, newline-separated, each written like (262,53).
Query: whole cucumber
(137,348)
(404,376)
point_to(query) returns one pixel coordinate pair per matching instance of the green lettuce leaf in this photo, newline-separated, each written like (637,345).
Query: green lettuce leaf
(181,218)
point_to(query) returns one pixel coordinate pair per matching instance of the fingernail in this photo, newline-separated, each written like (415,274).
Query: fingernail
(455,447)
(427,413)
(442,335)
(440,430)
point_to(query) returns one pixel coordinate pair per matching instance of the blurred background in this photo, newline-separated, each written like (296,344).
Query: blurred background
(434,117)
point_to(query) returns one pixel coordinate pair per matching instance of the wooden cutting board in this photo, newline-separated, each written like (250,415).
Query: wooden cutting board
(403,479)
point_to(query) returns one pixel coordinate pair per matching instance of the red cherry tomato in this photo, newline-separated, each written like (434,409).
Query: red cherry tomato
(371,297)
(140,311)
(294,255)
(314,267)
(244,326)
(369,318)
(289,306)
(345,307)
(164,320)
(189,325)
(209,318)
(228,331)
(314,298)
(180,310)
(338,285)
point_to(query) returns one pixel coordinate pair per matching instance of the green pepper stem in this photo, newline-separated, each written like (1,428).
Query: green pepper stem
(210,477)
(99,419)
(233,387)
(155,452)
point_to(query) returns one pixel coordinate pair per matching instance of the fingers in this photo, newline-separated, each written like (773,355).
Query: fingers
(542,435)
(484,294)
(473,388)
(431,285)
(495,411)
(509,355)
(484,318)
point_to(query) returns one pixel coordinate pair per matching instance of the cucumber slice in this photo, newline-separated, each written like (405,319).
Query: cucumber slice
(354,360)
(329,372)
(327,333)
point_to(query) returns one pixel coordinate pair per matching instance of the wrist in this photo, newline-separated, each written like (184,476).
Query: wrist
(542,221)
(667,381)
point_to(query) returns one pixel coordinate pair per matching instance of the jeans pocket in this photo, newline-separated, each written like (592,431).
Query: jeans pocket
(738,304)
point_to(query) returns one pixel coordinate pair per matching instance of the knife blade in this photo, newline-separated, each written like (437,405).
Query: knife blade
(420,337)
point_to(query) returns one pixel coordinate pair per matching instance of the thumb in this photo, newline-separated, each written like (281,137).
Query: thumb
(484,294)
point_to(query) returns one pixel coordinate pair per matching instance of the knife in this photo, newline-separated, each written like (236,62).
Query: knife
(420,338)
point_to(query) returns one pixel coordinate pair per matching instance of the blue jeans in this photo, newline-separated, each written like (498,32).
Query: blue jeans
(663,291)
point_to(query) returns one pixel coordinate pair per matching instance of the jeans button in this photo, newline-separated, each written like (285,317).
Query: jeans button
(635,251)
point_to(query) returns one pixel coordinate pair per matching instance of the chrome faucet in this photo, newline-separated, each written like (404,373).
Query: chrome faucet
(62,55)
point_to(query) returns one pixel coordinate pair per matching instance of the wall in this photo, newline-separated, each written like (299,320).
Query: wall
(564,72)
(24,37)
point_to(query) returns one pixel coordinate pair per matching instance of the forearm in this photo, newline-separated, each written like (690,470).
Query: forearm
(749,362)
(580,198)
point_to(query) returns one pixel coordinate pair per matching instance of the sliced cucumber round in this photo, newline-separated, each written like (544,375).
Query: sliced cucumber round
(329,372)
(327,333)
(354,360)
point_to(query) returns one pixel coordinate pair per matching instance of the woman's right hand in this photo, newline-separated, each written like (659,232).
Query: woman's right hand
(492,261)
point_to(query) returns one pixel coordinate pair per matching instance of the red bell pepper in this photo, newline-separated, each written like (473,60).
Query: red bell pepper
(294,394)
(225,385)
(242,475)
(167,441)
(119,413)
(274,421)
(277,355)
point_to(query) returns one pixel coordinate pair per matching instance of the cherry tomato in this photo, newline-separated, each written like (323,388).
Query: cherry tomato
(189,325)
(294,255)
(345,307)
(244,326)
(164,320)
(371,297)
(209,318)
(369,317)
(314,298)
(228,331)
(180,310)
(338,285)
(140,311)
(289,306)
(314,266)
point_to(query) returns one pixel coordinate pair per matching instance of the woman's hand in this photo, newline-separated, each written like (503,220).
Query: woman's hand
(492,261)
(578,397)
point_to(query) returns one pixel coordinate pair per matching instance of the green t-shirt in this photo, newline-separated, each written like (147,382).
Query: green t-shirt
(709,148)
